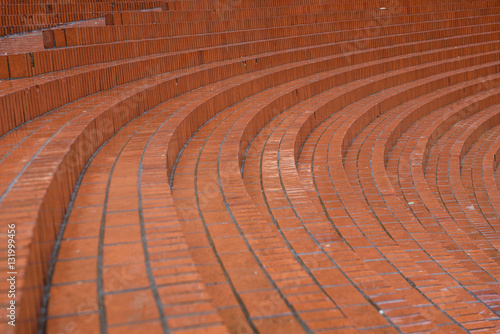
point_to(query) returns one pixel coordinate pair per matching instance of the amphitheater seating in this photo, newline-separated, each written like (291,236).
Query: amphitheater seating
(18,17)
(251,166)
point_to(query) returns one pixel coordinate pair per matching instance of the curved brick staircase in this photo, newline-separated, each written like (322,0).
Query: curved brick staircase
(251,166)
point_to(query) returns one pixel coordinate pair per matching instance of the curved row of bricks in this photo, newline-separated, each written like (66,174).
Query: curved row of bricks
(184,179)
(478,171)
(18,17)
(91,100)
(103,78)
(186,213)
(473,176)
(284,249)
(287,175)
(123,250)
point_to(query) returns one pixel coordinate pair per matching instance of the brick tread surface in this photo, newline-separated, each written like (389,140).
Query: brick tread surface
(251,166)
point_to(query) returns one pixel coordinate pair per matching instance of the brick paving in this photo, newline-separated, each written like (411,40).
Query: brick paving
(243,166)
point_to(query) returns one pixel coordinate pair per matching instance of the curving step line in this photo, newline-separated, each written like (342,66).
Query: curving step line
(273,185)
(100,75)
(481,292)
(31,19)
(65,165)
(472,175)
(183,181)
(405,181)
(202,95)
(408,6)
(87,146)
(341,256)
(450,199)
(53,165)
(100,35)
(441,126)
(378,148)
(489,165)
(257,242)
(50,60)
(461,206)
(133,209)
(418,209)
